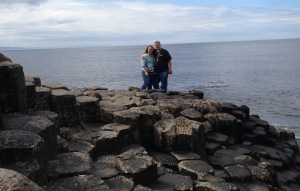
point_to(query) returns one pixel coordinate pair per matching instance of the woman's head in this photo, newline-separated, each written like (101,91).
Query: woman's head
(149,49)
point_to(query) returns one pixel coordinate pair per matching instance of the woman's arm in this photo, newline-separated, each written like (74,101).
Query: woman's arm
(145,70)
(144,62)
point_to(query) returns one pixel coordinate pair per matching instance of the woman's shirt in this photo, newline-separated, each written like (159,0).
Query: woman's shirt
(148,61)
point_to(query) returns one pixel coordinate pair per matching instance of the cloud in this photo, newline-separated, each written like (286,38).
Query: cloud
(58,23)
(30,2)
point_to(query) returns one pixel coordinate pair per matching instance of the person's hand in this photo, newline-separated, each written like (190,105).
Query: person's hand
(170,71)
(146,74)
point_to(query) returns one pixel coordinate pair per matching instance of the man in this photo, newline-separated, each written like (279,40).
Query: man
(164,64)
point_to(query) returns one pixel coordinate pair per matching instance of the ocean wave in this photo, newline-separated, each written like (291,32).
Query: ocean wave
(209,85)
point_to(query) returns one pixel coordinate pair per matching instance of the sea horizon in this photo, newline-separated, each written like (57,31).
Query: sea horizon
(3,48)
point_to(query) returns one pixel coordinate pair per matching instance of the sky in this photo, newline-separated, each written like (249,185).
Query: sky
(91,23)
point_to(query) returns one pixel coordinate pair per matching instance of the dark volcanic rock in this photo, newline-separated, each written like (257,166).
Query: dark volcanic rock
(12,89)
(5,59)
(245,160)
(111,137)
(142,188)
(69,164)
(262,174)
(219,147)
(131,118)
(119,183)
(11,180)
(63,102)
(165,159)
(30,169)
(24,152)
(220,161)
(31,95)
(88,108)
(192,114)
(185,155)
(1,121)
(177,181)
(215,186)
(107,109)
(237,172)
(140,167)
(148,115)
(104,170)
(228,107)
(18,145)
(56,86)
(218,138)
(259,122)
(226,124)
(81,146)
(36,124)
(43,98)
(180,133)
(33,79)
(78,183)
(52,116)
(211,147)
(234,151)
(197,93)
(197,169)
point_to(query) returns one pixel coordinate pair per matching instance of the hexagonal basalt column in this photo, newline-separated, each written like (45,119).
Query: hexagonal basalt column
(63,102)
(18,146)
(12,88)
(180,133)
(31,95)
(43,96)
(88,108)
(1,121)
(140,167)
(11,180)
(35,124)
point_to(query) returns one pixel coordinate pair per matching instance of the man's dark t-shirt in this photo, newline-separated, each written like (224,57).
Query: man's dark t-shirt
(162,59)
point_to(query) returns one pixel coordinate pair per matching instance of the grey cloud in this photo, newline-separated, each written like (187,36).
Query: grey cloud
(30,2)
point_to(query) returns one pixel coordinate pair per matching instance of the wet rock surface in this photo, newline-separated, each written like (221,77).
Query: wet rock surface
(99,139)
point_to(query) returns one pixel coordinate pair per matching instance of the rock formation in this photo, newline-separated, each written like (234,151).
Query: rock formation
(56,138)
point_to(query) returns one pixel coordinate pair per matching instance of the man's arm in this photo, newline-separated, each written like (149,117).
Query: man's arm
(170,67)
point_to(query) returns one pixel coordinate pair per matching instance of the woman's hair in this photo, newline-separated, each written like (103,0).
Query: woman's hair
(146,51)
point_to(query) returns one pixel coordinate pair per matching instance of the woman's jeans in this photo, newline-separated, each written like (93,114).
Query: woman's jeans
(149,81)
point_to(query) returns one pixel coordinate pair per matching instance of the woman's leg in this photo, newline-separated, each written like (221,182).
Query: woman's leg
(146,80)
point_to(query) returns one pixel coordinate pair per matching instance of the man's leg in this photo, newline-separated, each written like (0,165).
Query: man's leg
(164,80)
(154,81)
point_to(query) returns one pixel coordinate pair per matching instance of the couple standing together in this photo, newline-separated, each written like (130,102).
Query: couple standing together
(156,67)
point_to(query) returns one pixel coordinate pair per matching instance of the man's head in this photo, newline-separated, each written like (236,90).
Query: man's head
(157,45)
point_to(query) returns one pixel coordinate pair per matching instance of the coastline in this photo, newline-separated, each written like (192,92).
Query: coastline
(54,138)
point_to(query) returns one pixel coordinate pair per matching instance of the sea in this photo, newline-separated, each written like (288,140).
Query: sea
(263,74)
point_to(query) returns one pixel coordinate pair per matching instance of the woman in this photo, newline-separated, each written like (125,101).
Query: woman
(148,72)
